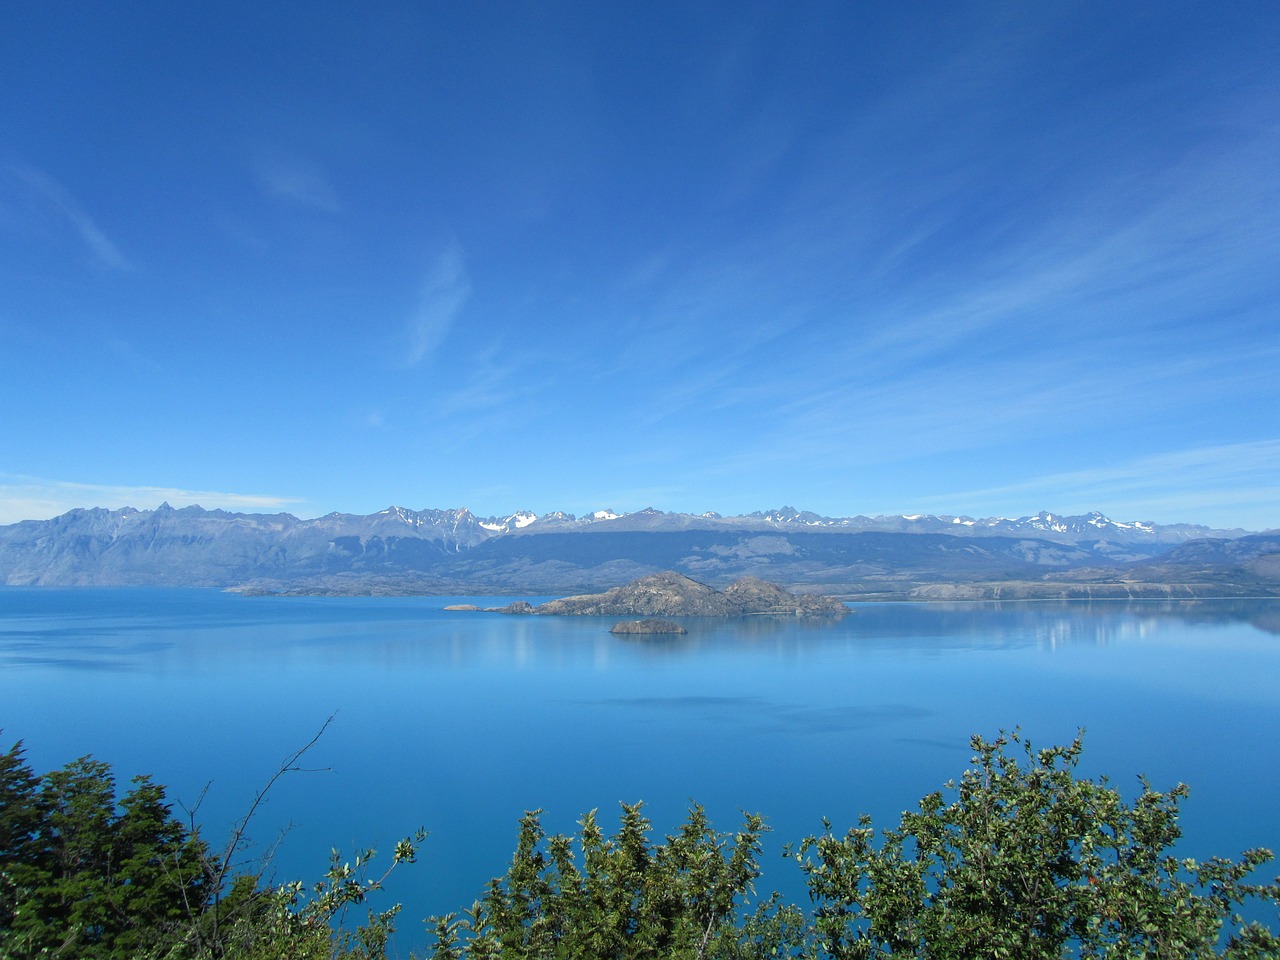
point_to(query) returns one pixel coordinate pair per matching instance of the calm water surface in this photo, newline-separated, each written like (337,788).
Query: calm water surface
(461,721)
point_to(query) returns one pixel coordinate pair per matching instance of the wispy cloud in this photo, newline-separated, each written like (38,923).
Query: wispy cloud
(36,498)
(297,182)
(48,195)
(1238,479)
(1088,298)
(444,293)
(492,384)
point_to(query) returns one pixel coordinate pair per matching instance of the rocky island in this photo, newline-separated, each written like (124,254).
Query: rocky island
(670,594)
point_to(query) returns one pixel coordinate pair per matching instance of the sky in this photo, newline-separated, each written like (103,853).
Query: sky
(977,259)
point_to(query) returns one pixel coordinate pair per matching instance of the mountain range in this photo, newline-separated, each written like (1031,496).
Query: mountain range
(398,550)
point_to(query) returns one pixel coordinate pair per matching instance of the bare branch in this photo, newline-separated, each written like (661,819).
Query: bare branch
(288,765)
(220,869)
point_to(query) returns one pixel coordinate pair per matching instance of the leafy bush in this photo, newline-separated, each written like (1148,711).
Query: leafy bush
(619,896)
(1029,861)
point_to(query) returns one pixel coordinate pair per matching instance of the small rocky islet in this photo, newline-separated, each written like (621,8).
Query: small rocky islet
(646,627)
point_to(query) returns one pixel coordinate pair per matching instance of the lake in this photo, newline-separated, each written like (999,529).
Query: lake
(460,721)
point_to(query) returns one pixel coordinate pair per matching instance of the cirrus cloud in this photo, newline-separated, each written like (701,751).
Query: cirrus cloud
(444,293)
(52,201)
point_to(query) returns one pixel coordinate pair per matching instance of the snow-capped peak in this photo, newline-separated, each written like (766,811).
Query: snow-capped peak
(515,521)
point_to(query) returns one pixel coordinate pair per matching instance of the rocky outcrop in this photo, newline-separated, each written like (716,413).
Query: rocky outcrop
(649,625)
(760,596)
(518,608)
(670,594)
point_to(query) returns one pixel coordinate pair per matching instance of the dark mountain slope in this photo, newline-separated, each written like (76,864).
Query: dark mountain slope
(793,557)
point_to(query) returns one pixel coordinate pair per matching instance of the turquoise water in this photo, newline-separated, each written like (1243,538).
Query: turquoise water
(460,721)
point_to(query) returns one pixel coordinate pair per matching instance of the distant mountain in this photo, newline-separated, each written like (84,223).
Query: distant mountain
(1249,558)
(453,551)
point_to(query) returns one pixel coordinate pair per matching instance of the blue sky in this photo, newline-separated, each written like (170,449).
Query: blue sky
(978,259)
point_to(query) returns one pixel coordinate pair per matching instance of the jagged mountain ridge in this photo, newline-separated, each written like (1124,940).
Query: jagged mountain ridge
(1043,524)
(447,550)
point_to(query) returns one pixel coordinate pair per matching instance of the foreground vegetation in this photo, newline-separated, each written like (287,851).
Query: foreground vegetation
(1020,858)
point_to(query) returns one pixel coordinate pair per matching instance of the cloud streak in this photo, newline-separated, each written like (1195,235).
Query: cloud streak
(445,292)
(1089,301)
(56,200)
(297,183)
(1174,485)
